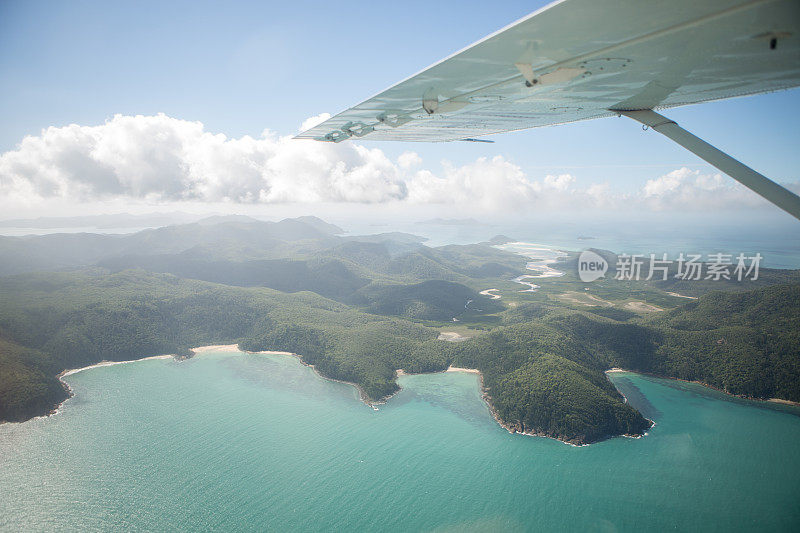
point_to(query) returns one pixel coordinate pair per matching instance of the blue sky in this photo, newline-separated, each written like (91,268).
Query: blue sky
(242,67)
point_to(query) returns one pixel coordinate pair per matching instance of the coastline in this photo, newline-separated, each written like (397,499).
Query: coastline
(488,401)
(362,396)
(194,352)
(782,401)
(70,371)
(215,348)
(708,386)
(452,368)
(511,428)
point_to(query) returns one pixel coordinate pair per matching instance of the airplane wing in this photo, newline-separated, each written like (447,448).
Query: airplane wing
(584,59)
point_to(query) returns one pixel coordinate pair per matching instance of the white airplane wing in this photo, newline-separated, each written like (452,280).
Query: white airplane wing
(583,59)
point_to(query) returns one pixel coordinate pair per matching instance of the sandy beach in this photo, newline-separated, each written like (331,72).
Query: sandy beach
(373,404)
(399,372)
(216,348)
(212,348)
(784,402)
(110,363)
(460,369)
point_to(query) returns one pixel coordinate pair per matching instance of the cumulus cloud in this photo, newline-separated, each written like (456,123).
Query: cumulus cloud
(491,182)
(684,188)
(166,159)
(409,160)
(163,159)
(316,120)
(561,182)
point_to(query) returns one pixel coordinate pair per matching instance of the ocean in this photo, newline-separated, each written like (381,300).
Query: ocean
(228,441)
(773,234)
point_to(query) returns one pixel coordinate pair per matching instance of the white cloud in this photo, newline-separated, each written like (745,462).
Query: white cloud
(159,159)
(164,158)
(561,182)
(666,184)
(688,189)
(316,120)
(408,160)
(491,183)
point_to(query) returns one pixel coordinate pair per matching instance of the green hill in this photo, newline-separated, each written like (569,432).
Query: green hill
(359,307)
(430,300)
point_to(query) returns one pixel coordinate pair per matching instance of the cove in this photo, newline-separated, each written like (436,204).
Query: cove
(229,441)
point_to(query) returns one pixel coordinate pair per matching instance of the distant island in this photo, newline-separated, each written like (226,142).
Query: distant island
(500,239)
(360,308)
(452,222)
(119,220)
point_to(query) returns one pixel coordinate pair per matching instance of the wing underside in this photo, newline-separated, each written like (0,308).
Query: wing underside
(584,59)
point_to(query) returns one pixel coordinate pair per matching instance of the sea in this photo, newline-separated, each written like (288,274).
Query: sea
(772,234)
(229,441)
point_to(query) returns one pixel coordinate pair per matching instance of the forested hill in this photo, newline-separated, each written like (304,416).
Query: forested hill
(55,321)
(543,370)
(361,307)
(214,237)
(217,236)
(745,343)
(293,255)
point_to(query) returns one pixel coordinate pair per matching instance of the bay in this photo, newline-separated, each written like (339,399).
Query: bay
(228,441)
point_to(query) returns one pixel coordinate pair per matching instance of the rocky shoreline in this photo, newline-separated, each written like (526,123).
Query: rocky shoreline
(519,428)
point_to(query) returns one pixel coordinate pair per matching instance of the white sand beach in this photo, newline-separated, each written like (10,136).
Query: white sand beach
(460,369)
(110,363)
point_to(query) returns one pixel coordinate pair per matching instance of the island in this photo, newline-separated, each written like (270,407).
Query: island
(360,308)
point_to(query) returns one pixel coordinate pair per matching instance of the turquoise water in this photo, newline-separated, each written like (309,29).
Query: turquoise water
(229,441)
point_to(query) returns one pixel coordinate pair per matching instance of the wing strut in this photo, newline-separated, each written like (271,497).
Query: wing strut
(783,198)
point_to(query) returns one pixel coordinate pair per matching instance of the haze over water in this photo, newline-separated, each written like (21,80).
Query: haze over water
(772,234)
(229,441)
